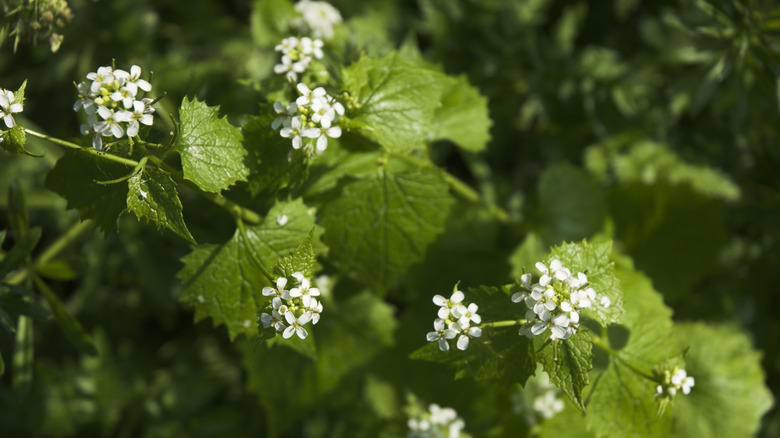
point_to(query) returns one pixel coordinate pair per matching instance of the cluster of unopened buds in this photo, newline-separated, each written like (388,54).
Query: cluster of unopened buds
(115,103)
(297,55)
(292,309)
(317,18)
(555,301)
(674,381)
(438,422)
(455,320)
(9,105)
(314,115)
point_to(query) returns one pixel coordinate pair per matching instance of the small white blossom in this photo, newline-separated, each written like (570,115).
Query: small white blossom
(8,107)
(547,405)
(290,310)
(292,129)
(438,422)
(676,380)
(319,17)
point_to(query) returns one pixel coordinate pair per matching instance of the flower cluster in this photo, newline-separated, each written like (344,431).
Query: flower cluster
(438,422)
(113,103)
(455,319)
(297,55)
(676,380)
(292,309)
(9,105)
(555,301)
(317,18)
(538,400)
(314,115)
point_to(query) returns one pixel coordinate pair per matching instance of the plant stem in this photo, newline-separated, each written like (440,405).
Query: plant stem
(459,187)
(508,323)
(602,344)
(89,151)
(53,250)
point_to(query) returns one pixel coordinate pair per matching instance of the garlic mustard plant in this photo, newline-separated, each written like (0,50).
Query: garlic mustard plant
(313,116)
(555,302)
(455,320)
(115,103)
(674,381)
(291,309)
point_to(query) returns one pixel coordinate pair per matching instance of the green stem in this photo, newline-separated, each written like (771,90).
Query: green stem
(53,250)
(604,345)
(508,323)
(459,187)
(252,254)
(238,212)
(90,151)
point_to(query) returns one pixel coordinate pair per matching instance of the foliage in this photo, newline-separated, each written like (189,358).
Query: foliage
(598,181)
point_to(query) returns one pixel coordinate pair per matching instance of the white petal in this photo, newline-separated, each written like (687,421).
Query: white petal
(457,297)
(432,336)
(288,332)
(463,342)
(443,312)
(322,143)
(439,300)
(443,345)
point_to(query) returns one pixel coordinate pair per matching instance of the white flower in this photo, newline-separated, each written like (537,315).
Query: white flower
(447,304)
(466,315)
(324,113)
(304,291)
(681,379)
(140,115)
(319,17)
(104,75)
(547,405)
(605,302)
(287,45)
(279,291)
(135,78)
(312,47)
(8,107)
(292,128)
(296,325)
(307,95)
(110,123)
(441,334)
(284,113)
(322,134)
(291,68)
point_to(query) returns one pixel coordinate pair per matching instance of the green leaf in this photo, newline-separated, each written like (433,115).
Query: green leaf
(70,326)
(75,177)
(621,402)
(463,116)
(395,100)
(23,247)
(301,260)
(379,226)
(640,161)
(224,282)
(272,161)
(487,357)
(568,363)
(594,260)
(572,206)
(729,396)
(526,255)
(58,269)
(152,197)
(212,155)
